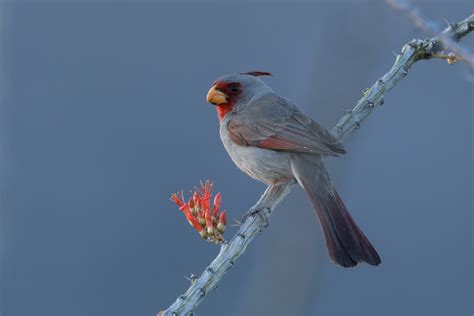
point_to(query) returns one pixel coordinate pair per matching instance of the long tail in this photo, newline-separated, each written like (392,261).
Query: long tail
(346,242)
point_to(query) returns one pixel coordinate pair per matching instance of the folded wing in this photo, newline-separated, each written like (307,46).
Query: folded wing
(272,122)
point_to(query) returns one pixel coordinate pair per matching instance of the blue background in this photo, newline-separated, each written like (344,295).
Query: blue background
(103,115)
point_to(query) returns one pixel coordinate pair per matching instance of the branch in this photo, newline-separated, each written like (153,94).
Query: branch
(449,41)
(271,198)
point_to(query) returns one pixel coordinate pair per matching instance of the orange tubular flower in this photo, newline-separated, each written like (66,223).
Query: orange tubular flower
(206,189)
(176,199)
(193,221)
(207,220)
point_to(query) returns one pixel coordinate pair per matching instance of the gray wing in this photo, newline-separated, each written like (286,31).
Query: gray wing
(272,122)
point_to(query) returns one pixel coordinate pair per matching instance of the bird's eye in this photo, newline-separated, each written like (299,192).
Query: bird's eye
(234,88)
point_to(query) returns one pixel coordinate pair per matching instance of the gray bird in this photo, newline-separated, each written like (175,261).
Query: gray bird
(272,141)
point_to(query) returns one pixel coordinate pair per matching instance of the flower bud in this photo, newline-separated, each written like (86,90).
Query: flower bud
(202,221)
(222,222)
(451,58)
(223,218)
(217,204)
(221,228)
(203,234)
(210,230)
(209,222)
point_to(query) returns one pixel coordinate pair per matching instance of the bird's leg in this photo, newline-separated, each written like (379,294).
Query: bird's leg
(269,199)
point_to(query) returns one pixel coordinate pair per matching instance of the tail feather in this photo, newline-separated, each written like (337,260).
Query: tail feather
(346,242)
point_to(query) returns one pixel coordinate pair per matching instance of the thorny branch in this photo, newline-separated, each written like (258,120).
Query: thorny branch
(230,251)
(447,39)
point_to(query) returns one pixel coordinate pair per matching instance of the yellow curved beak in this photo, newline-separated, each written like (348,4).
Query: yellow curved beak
(215,96)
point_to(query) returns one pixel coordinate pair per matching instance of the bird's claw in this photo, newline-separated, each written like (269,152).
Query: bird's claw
(257,212)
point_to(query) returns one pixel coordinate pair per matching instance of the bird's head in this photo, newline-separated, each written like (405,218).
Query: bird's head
(233,91)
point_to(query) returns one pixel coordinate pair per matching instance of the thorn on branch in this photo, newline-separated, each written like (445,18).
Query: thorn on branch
(357,124)
(413,43)
(231,264)
(182,296)
(202,292)
(192,278)
(450,26)
(380,81)
(210,270)
(241,235)
(370,104)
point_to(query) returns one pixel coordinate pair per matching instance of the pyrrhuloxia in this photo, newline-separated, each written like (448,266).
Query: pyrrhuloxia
(272,141)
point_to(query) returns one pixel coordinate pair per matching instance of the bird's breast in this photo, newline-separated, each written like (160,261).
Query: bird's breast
(265,165)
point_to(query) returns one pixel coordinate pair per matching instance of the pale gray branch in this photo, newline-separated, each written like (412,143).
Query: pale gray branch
(448,40)
(271,198)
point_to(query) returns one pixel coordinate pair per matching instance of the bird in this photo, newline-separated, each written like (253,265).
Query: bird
(271,140)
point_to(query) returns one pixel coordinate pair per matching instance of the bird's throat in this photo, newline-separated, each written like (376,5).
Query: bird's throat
(223,109)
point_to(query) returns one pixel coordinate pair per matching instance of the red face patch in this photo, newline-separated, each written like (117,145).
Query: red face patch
(232,90)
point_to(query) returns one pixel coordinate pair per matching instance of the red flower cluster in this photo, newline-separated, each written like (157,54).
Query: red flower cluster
(207,220)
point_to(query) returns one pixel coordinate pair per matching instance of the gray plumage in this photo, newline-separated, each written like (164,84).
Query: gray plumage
(272,141)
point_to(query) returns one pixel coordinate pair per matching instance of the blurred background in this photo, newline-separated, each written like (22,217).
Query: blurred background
(103,116)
